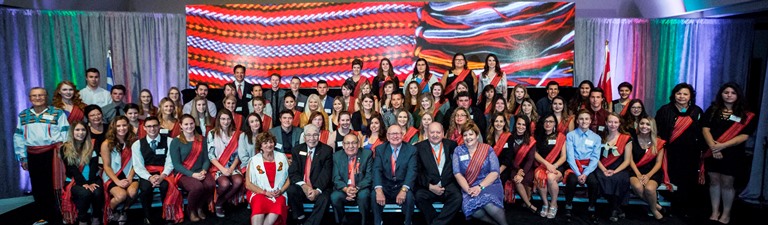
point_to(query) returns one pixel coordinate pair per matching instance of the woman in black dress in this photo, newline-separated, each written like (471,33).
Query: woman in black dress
(678,124)
(726,126)
(458,72)
(613,172)
(519,162)
(647,164)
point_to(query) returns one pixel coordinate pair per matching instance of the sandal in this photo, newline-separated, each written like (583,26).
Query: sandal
(544,211)
(552,213)
(531,207)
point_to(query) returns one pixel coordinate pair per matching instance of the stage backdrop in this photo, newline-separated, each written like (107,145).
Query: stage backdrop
(318,41)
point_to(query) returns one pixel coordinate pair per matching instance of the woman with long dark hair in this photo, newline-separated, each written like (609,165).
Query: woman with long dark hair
(581,101)
(726,126)
(459,72)
(121,185)
(384,73)
(422,75)
(492,75)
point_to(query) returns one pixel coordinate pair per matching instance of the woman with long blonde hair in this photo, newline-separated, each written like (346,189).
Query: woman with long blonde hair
(84,187)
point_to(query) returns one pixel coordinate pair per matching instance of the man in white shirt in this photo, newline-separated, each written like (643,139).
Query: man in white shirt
(202,91)
(152,163)
(92,94)
(242,90)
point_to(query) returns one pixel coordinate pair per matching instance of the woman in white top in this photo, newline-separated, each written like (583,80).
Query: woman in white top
(118,176)
(245,147)
(222,144)
(492,74)
(267,182)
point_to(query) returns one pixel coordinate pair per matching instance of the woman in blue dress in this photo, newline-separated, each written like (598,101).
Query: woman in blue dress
(476,169)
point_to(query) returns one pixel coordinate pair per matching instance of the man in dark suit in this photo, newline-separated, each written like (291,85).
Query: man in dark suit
(393,185)
(242,89)
(274,96)
(325,99)
(464,100)
(286,134)
(436,181)
(310,171)
(352,178)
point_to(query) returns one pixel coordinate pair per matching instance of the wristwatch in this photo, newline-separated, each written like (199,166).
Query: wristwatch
(404,189)
(481,187)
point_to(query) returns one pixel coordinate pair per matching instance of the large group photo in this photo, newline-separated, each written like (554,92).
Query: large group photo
(439,113)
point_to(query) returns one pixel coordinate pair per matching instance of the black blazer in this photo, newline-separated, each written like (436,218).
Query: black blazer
(427,166)
(363,177)
(322,164)
(244,101)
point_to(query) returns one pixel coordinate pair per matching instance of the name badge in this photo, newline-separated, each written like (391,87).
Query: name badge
(239,109)
(349,181)
(339,143)
(164,131)
(94,154)
(506,145)
(48,117)
(552,142)
(160,151)
(278,146)
(328,111)
(589,142)
(450,74)
(303,153)
(464,157)
(248,96)
(600,128)
(735,118)
(301,104)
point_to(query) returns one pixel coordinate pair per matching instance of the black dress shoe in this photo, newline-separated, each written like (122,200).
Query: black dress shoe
(614,216)
(146,221)
(593,218)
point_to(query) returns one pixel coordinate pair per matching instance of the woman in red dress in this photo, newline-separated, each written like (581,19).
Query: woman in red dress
(267,181)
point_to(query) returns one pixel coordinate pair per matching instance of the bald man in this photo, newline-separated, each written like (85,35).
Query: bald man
(435,181)
(352,178)
(310,173)
(39,131)
(394,174)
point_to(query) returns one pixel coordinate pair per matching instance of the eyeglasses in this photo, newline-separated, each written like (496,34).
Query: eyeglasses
(350,143)
(549,121)
(394,133)
(461,115)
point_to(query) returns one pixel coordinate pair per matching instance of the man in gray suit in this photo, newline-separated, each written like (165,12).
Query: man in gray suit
(394,174)
(286,134)
(352,178)
(301,99)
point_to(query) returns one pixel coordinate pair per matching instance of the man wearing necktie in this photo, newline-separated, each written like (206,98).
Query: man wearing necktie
(115,108)
(243,89)
(352,178)
(394,173)
(310,173)
(152,164)
(275,97)
(436,181)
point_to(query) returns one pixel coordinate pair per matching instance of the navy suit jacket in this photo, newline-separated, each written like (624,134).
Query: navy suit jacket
(405,173)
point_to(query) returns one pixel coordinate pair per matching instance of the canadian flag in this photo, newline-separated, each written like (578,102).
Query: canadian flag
(605,78)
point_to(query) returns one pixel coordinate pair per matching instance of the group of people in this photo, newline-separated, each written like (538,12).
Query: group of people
(460,140)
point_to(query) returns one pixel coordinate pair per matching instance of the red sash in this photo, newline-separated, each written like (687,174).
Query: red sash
(580,163)
(141,132)
(495,81)
(266,123)
(624,110)
(729,134)
(563,126)
(411,132)
(476,163)
(488,108)
(125,156)
(68,209)
(540,174)
(230,149)
(176,130)
(499,146)
(351,106)
(620,144)
(437,108)
(376,144)
(455,83)
(57,164)
(172,204)
(681,125)
(296,118)
(524,149)
(324,134)
(238,120)
(456,136)
(75,115)
(649,156)
(359,86)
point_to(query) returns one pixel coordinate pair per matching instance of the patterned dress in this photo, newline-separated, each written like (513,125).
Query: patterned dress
(493,194)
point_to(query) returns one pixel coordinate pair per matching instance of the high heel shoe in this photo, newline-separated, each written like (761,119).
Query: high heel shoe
(552,213)
(531,207)
(544,211)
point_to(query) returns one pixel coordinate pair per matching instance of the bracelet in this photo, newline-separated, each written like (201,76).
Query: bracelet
(481,187)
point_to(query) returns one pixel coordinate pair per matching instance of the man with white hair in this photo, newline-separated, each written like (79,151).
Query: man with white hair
(436,181)
(394,174)
(310,173)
